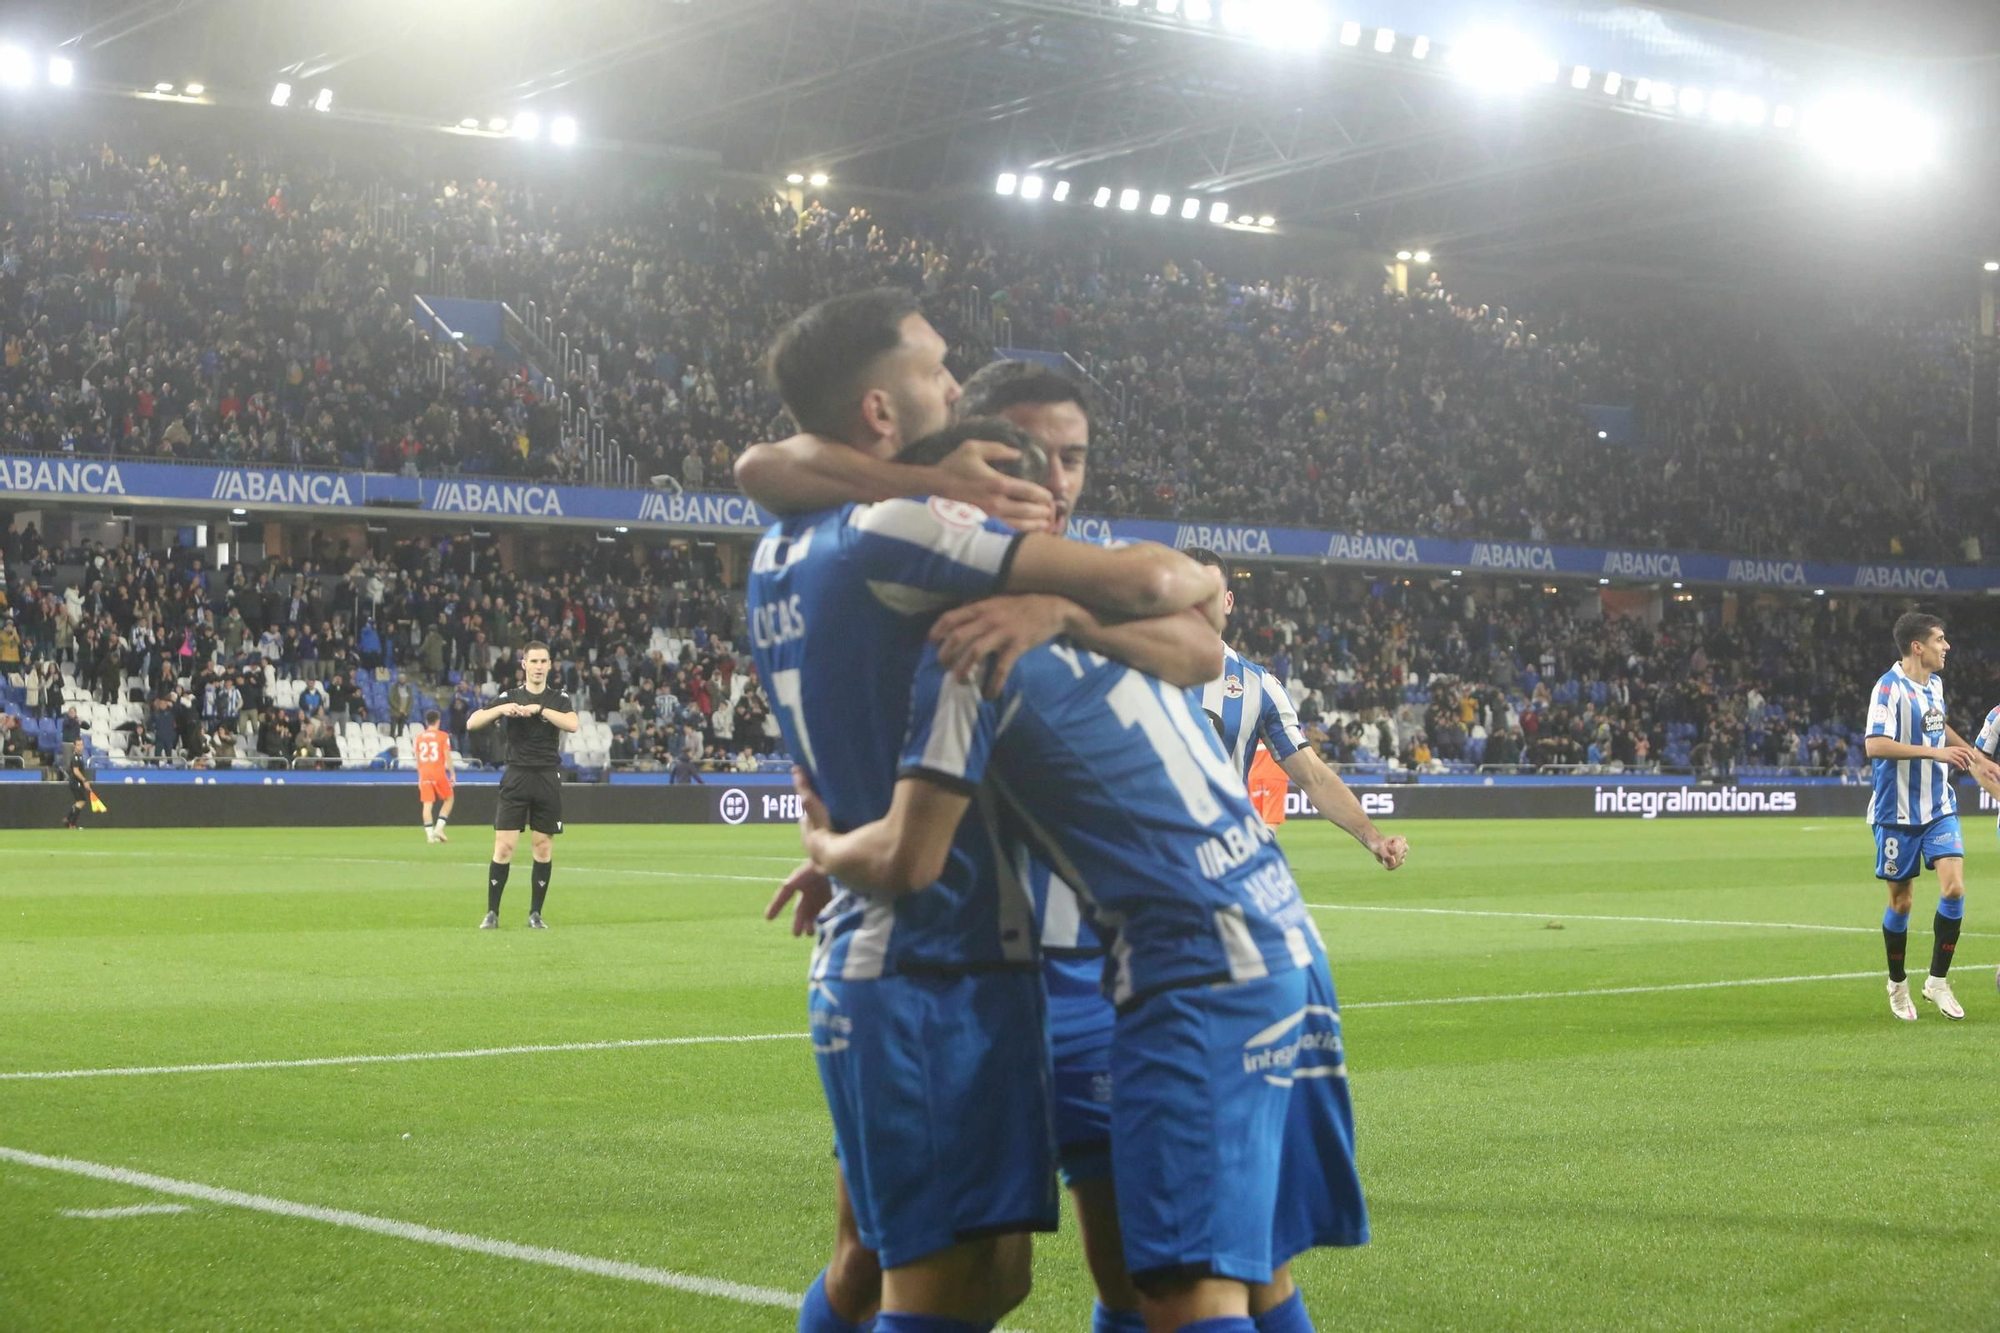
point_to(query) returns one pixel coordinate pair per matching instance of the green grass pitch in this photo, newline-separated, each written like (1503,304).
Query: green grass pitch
(1694,1152)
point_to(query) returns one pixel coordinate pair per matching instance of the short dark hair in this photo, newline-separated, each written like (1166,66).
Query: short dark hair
(816,362)
(1911,626)
(1032,465)
(1003,384)
(533,644)
(431,717)
(1203,555)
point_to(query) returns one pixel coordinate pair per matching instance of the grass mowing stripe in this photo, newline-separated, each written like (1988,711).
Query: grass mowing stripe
(404,1058)
(384,1226)
(638,1043)
(1638,920)
(567,868)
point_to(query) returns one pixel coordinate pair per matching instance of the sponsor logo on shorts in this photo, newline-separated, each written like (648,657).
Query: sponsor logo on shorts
(735,807)
(1288,1049)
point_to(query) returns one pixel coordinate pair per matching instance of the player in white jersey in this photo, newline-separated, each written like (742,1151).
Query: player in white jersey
(1914,810)
(1248,704)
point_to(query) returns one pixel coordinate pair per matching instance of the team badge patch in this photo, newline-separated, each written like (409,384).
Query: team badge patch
(1933,721)
(954,514)
(1232,687)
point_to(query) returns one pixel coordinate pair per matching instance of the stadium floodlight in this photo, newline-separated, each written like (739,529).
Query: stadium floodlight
(1693,101)
(498,124)
(1060,193)
(1297,25)
(239,512)
(1604,583)
(1724,107)
(1870,133)
(1423,256)
(1420,48)
(562,131)
(1784,118)
(1992,266)
(1750,110)
(1604,435)
(1267,221)
(1031,187)
(163,87)
(621,529)
(1350,33)
(1198,11)
(1128,200)
(527,125)
(469,123)
(17,67)
(795,178)
(1236,14)
(195,89)
(1405,256)
(1191,209)
(1246,221)
(324,102)
(281,95)
(1458,573)
(1161,203)
(1664,96)
(1218,212)
(1102,197)
(62,71)
(1642,90)
(1579,78)
(1612,83)
(1167,6)
(1819,592)
(1385,40)
(818,178)
(1500,59)
(1007,183)
(1677,584)
(1128,4)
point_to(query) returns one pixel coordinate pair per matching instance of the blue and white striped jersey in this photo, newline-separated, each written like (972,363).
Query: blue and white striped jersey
(840,603)
(1910,791)
(1124,790)
(1247,703)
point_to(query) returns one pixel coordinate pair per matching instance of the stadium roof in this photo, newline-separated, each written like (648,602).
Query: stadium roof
(1319,113)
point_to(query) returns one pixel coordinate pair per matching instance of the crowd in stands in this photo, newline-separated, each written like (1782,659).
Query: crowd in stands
(208,306)
(1432,677)
(325,661)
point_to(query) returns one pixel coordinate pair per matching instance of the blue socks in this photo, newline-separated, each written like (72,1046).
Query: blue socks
(888,1322)
(816,1315)
(1898,922)
(1291,1317)
(1106,1320)
(1950,907)
(1229,1323)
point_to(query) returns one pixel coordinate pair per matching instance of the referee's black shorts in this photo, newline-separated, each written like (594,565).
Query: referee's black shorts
(530,798)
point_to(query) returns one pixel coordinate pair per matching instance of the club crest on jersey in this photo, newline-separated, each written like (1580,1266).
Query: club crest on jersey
(1232,687)
(955,514)
(1933,721)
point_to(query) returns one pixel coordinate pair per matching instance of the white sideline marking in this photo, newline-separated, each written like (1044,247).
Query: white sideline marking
(1642,920)
(405,1058)
(384,1226)
(567,868)
(1612,990)
(133,1210)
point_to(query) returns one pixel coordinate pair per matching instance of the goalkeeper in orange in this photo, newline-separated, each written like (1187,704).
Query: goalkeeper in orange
(433,750)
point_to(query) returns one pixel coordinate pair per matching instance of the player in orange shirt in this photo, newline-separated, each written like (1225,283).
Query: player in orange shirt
(433,747)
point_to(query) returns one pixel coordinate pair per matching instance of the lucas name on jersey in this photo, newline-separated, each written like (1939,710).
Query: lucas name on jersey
(778,622)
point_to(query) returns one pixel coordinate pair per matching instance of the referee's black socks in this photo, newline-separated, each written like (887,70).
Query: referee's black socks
(541,886)
(496,884)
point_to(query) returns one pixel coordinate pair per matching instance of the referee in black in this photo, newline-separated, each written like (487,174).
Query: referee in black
(79,785)
(531,786)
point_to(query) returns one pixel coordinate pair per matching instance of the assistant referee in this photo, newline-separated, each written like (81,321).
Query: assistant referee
(531,785)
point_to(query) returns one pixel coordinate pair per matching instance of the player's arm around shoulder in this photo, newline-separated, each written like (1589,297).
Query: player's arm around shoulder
(805,474)
(1137,581)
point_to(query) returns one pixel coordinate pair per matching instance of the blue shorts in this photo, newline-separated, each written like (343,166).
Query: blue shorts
(1080,1026)
(1233,1135)
(1898,847)
(939,1091)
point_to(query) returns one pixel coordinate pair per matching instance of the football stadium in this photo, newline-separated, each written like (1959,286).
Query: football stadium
(1226,666)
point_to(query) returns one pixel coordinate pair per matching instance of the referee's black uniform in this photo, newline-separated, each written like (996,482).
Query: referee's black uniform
(79,790)
(531,785)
